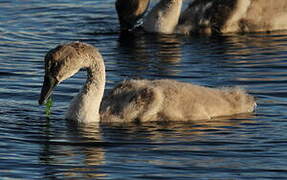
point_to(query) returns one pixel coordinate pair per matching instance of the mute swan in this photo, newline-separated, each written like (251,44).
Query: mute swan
(134,100)
(220,16)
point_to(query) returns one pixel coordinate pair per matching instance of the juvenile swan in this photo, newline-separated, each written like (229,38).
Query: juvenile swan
(233,16)
(134,100)
(215,16)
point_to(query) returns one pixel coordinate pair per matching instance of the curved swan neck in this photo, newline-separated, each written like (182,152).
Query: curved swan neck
(96,77)
(86,105)
(164,17)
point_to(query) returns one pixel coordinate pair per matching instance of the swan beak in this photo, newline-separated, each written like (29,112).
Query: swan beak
(48,85)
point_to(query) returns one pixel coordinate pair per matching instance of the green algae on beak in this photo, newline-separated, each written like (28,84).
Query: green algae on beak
(48,107)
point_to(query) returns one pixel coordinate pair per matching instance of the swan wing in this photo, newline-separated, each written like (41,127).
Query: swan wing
(132,100)
(206,16)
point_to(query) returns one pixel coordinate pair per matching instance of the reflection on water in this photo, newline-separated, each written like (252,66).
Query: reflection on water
(80,156)
(130,149)
(149,53)
(238,147)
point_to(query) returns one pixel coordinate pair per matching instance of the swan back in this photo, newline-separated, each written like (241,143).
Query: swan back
(130,12)
(192,102)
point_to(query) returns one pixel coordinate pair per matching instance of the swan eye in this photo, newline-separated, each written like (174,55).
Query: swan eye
(52,68)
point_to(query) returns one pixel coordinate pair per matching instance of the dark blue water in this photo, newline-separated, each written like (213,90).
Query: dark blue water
(33,146)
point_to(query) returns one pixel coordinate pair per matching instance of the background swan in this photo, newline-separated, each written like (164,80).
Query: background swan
(129,12)
(210,16)
(239,16)
(134,100)
(163,18)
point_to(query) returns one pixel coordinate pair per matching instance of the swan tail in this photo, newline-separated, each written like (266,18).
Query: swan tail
(240,100)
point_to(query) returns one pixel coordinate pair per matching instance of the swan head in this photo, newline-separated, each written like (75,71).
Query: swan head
(61,63)
(130,11)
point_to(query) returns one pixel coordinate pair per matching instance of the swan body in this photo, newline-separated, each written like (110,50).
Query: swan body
(135,100)
(220,16)
(233,16)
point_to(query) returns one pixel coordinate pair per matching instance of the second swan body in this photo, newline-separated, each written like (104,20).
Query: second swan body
(208,16)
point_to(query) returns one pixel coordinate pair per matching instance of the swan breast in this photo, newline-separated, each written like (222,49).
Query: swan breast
(164,17)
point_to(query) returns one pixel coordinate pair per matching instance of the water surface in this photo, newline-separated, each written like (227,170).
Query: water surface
(34,147)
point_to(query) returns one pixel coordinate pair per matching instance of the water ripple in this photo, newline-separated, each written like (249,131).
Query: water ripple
(35,146)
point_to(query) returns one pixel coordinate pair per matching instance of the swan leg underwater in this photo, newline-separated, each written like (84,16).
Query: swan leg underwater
(134,100)
(206,16)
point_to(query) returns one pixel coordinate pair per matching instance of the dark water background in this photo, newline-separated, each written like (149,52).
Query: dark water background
(34,147)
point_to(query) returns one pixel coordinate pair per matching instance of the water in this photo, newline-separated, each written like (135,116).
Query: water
(35,147)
